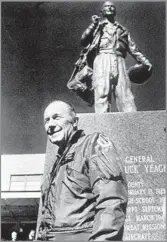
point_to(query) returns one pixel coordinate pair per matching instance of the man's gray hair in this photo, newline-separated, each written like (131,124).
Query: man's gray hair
(69,106)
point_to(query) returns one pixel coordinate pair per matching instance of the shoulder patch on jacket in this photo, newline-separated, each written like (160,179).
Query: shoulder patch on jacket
(103,143)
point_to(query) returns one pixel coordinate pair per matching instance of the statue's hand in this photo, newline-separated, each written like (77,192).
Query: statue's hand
(149,67)
(95,19)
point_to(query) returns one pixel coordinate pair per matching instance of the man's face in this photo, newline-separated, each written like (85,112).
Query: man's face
(59,123)
(108,9)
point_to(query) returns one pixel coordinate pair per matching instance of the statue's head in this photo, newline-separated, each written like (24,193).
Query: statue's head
(108,9)
(60,122)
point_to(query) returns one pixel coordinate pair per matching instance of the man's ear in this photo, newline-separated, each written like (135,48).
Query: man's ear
(75,124)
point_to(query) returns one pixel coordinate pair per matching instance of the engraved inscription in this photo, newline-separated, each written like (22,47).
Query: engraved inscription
(146,211)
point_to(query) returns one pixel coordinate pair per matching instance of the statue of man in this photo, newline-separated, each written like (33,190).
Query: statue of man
(110,42)
(85,194)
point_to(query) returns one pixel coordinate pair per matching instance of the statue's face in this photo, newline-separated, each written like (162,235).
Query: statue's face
(59,123)
(108,9)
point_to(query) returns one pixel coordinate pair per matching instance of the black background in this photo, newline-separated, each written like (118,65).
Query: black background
(40,44)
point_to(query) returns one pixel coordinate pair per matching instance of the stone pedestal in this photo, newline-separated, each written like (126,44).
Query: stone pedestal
(140,140)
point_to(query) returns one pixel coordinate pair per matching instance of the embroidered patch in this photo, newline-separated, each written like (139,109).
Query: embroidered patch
(103,144)
(104,141)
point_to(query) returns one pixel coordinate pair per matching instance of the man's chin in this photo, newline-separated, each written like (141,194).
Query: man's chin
(55,141)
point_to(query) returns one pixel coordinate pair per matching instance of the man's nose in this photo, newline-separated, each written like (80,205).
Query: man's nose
(51,123)
(50,129)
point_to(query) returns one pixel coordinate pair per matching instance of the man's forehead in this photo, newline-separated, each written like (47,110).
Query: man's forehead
(56,108)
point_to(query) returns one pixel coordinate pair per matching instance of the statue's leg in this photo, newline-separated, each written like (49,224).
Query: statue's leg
(101,100)
(123,94)
(101,75)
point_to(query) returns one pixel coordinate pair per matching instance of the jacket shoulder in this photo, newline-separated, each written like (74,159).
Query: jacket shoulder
(123,31)
(105,157)
(97,142)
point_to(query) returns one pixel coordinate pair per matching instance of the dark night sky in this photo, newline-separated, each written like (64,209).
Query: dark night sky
(41,43)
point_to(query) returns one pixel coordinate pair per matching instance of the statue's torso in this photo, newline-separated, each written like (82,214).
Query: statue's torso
(108,37)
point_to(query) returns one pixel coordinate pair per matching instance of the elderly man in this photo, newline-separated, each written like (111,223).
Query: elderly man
(106,45)
(85,197)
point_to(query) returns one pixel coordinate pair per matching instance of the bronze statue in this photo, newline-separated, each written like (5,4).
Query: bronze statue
(84,195)
(101,71)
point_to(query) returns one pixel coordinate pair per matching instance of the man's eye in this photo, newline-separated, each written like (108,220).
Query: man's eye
(56,117)
(46,121)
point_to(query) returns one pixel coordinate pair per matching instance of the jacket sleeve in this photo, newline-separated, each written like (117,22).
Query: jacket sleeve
(88,34)
(110,189)
(135,52)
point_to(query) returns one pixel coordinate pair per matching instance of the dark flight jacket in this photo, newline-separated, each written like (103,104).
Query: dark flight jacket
(87,191)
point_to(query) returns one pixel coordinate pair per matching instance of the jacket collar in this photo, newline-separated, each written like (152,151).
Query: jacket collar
(116,23)
(104,21)
(65,155)
(73,139)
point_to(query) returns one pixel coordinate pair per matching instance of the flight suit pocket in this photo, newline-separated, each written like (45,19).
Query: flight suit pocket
(77,181)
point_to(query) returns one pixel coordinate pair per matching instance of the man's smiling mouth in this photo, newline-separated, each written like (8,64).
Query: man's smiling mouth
(53,131)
